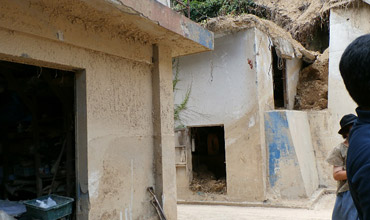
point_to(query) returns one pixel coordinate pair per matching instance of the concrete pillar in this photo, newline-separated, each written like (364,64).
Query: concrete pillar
(83,201)
(163,130)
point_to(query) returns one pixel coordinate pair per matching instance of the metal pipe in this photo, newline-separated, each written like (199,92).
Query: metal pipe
(156,204)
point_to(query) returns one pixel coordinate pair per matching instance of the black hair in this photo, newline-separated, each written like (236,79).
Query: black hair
(355,70)
(346,130)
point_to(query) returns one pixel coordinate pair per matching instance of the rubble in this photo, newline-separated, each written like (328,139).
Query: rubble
(208,186)
(204,181)
(312,89)
(286,46)
(302,19)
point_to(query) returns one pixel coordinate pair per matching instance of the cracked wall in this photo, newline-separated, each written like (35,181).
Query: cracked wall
(232,86)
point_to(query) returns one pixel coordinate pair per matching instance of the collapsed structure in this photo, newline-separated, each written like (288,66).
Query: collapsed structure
(87,108)
(243,100)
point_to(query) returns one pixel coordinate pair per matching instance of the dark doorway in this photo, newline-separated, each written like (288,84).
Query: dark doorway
(37,142)
(208,159)
(279,76)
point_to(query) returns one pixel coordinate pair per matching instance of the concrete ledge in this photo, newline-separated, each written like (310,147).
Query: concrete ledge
(128,22)
(167,21)
(300,204)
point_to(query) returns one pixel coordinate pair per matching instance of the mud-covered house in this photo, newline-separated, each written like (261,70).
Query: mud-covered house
(262,112)
(252,72)
(86,107)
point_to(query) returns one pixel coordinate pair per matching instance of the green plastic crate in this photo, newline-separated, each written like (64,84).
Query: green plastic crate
(62,209)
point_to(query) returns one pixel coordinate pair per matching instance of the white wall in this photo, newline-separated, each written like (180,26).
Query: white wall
(165,2)
(232,85)
(220,85)
(302,142)
(293,67)
(345,26)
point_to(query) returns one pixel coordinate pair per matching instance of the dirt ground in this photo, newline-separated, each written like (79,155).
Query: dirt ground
(321,210)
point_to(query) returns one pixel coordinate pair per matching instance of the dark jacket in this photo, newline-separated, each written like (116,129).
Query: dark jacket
(358,163)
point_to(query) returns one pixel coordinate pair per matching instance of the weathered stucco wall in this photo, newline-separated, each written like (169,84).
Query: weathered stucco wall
(120,143)
(291,161)
(218,82)
(232,86)
(117,154)
(265,97)
(345,26)
(322,145)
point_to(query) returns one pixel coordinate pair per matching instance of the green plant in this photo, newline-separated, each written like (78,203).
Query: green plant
(203,9)
(183,105)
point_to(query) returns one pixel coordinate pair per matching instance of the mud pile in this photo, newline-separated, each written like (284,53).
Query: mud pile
(303,18)
(286,46)
(312,90)
(206,182)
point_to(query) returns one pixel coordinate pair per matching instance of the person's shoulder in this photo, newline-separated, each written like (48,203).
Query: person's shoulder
(335,156)
(338,148)
(360,136)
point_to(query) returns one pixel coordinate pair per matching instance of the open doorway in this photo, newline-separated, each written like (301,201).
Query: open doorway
(208,159)
(279,77)
(37,142)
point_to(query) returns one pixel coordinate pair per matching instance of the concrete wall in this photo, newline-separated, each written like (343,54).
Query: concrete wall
(119,95)
(345,26)
(265,97)
(233,86)
(165,2)
(320,131)
(293,67)
(292,171)
(222,75)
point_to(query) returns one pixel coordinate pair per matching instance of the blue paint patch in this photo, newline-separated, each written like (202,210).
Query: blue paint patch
(278,142)
(274,156)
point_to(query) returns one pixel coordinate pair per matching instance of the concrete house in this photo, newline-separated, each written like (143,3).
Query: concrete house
(241,94)
(87,103)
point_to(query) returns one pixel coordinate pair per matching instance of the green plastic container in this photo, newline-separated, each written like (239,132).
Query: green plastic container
(62,209)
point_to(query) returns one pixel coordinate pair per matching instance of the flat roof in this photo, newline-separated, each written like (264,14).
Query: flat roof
(160,22)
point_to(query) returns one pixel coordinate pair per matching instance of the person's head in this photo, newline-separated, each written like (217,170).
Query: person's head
(355,70)
(346,124)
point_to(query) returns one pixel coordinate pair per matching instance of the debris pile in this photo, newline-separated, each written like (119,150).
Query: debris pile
(204,181)
(312,90)
(302,19)
(286,46)
(208,186)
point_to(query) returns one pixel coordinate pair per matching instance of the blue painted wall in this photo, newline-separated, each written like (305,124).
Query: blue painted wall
(278,142)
